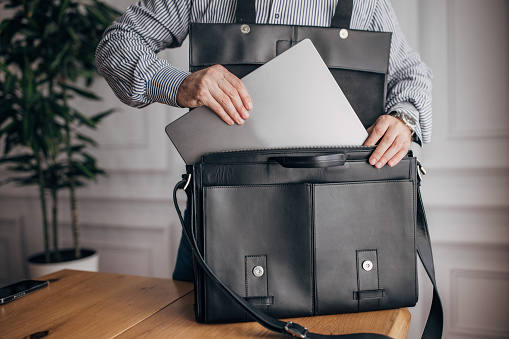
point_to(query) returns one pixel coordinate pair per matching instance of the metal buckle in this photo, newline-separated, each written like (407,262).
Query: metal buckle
(188,181)
(296,330)
(421,171)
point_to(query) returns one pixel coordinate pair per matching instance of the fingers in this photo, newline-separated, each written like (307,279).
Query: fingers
(393,138)
(218,89)
(241,92)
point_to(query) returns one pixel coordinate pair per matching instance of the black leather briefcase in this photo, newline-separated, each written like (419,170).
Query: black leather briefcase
(303,232)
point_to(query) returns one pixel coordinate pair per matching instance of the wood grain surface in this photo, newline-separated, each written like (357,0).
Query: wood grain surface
(79,304)
(96,305)
(177,320)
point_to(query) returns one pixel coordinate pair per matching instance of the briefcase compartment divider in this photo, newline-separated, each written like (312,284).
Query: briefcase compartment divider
(311,230)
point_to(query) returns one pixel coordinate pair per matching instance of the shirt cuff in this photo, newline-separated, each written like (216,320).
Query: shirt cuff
(163,86)
(408,108)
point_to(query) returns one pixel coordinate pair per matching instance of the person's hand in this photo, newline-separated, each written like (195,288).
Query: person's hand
(393,138)
(218,89)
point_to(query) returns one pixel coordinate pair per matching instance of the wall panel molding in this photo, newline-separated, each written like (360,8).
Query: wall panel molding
(466,188)
(141,250)
(12,261)
(477,297)
(124,259)
(478,73)
(134,139)
(487,226)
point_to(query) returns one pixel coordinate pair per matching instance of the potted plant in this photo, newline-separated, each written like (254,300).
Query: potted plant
(46,59)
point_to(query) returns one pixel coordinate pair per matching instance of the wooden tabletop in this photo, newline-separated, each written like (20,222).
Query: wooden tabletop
(81,304)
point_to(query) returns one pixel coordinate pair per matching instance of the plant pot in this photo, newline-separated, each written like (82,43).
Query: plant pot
(89,261)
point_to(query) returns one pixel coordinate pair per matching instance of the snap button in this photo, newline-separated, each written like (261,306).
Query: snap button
(367,265)
(245,29)
(258,271)
(343,33)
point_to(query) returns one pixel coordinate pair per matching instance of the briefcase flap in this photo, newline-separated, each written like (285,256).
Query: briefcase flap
(256,44)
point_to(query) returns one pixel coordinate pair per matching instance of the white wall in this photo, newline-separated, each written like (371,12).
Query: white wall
(466,43)
(129,216)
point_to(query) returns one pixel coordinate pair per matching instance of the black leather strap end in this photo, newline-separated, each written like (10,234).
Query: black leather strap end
(245,12)
(370,294)
(343,15)
(261,301)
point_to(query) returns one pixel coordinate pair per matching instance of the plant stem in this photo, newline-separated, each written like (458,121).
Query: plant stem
(74,218)
(42,199)
(72,187)
(54,199)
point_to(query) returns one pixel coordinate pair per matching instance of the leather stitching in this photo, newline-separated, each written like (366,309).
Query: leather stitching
(314,296)
(263,301)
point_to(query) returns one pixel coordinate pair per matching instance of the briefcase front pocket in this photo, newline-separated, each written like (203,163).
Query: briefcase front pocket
(365,256)
(310,248)
(258,241)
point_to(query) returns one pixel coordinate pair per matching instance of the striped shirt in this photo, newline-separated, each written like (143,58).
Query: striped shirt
(127,58)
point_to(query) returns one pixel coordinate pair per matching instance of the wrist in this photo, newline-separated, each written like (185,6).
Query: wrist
(406,119)
(164,85)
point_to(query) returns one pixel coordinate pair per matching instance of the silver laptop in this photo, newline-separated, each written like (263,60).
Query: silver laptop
(296,103)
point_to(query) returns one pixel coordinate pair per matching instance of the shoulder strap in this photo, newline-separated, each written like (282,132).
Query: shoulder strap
(435,322)
(434,325)
(246,13)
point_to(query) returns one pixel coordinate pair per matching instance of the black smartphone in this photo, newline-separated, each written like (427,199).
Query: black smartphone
(19,289)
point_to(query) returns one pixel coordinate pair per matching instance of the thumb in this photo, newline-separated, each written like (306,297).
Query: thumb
(369,141)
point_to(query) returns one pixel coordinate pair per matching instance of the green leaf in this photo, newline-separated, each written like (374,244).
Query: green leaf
(17,158)
(86,139)
(83,170)
(77,148)
(83,93)
(83,119)
(63,7)
(7,110)
(88,158)
(26,126)
(73,34)
(98,15)
(60,109)
(58,59)
(10,83)
(99,116)
(28,82)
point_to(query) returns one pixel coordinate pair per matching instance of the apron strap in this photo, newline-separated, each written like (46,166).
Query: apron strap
(246,13)
(343,14)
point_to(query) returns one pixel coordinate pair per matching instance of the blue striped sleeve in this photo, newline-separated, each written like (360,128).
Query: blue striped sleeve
(409,80)
(127,59)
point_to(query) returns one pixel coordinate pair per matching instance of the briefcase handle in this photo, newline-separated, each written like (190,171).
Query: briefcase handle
(317,161)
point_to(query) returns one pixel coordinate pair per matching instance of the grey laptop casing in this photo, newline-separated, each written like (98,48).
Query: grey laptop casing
(296,103)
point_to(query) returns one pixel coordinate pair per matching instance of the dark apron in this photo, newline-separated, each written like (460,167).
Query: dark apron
(358,60)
